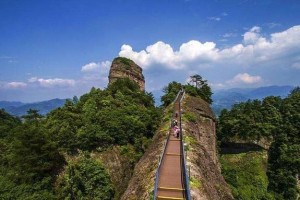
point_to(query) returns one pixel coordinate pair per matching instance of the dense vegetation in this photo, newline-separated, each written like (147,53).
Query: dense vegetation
(276,120)
(48,157)
(246,174)
(197,88)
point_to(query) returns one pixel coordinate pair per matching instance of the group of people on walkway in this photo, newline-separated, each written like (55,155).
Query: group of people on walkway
(176,129)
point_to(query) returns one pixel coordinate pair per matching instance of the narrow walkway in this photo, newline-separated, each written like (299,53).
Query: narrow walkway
(170,185)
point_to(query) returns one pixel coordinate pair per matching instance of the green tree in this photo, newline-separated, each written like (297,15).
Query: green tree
(284,154)
(7,123)
(199,87)
(32,115)
(31,161)
(33,155)
(84,178)
(170,91)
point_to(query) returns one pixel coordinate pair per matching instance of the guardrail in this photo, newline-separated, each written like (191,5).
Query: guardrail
(185,178)
(163,153)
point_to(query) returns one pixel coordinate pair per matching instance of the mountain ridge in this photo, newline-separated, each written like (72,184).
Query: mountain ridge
(17,108)
(226,98)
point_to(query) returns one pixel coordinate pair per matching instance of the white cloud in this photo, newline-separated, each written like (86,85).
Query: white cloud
(90,67)
(214,18)
(163,54)
(194,54)
(12,85)
(16,85)
(245,78)
(105,64)
(101,67)
(217,85)
(96,72)
(252,35)
(55,82)
(142,57)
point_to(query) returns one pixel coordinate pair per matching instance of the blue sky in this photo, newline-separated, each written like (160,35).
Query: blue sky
(52,49)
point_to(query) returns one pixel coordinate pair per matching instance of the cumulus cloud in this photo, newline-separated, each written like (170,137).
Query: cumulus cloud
(55,82)
(254,49)
(163,54)
(257,53)
(252,35)
(245,78)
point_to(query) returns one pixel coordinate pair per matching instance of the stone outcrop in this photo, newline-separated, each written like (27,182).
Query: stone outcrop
(206,180)
(125,68)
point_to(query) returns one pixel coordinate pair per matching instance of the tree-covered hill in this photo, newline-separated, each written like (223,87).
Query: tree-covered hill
(277,121)
(50,157)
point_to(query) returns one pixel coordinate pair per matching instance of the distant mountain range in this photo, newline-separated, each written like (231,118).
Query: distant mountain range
(221,99)
(19,108)
(226,98)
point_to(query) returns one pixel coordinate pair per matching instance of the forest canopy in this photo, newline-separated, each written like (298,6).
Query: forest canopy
(34,150)
(276,120)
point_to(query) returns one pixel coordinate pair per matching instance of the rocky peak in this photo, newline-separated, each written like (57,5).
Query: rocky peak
(125,68)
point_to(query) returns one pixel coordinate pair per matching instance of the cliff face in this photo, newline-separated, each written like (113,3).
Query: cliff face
(118,166)
(206,180)
(126,68)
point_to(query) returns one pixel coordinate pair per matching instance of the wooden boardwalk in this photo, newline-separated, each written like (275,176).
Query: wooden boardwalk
(170,183)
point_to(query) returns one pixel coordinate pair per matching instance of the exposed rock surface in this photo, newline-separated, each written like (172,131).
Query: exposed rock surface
(126,68)
(206,180)
(118,167)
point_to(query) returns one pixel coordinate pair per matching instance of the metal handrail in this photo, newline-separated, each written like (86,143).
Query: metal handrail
(162,155)
(158,168)
(187,193)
